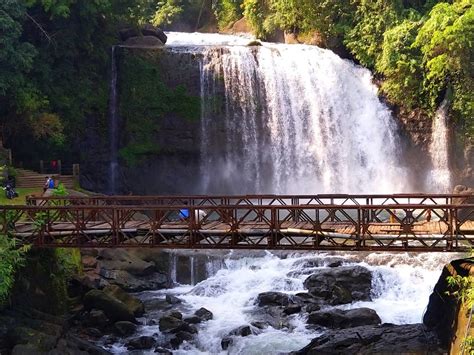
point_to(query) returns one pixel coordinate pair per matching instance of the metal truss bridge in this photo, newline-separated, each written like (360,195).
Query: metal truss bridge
(401,222)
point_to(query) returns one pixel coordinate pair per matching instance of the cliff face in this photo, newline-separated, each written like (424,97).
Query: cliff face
(160,146)
(445,314)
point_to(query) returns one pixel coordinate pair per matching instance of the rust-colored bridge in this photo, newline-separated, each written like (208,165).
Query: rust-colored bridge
(403,222)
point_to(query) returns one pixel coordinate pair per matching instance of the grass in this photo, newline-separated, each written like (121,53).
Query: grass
(21,200)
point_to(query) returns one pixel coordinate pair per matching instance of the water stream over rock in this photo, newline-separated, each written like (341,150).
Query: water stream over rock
(401,284)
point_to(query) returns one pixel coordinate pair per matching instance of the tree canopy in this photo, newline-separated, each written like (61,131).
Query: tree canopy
(55,54)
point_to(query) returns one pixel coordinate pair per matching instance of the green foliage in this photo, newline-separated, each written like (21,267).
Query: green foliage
(60,190)
(145,98)
(400,62)
(168,11)
(227,12)
(16,56)
(372,19)
(463,289)
(12,257)
(446,41)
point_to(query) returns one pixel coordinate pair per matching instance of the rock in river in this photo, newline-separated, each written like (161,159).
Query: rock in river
(340,285)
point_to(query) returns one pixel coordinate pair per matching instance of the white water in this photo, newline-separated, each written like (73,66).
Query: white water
(113,124)
(294,119)
(439,179)
(401,286)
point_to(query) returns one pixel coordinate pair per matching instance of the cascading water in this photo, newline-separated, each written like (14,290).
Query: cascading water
(439,179)
(294,119)
(113,125)
(288,119)
(401,286)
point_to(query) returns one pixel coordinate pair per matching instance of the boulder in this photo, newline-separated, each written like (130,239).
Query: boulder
(273,299)
(141,343)
(170,323)
(340,285)
(176,314)
(131,283)
(143,41)
(226,342)
(179,338)
(193,320)
(133,304)
(375,339)
(164,351)
(123,260)
(150,30)
(336,318)
(204,314)
(114,309)
(173,299)
(242,331)
(93,332)
(259,325)
(96,318)
(185,327)
(125,328)
(126,33)
(292,309)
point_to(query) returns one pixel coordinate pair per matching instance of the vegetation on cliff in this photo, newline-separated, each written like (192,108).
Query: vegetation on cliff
(423,50)
(55,55)
(145,99)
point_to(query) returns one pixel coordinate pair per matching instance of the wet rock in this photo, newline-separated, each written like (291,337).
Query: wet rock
(185,327)
(89,262)
(125,328)
(242,331)
(312,307)
(163,351)
(340,285)
(378,339)
(292,309)
(259,325)
(273,299)
(93,332)
(97,318)
(169,323)
(176,314)
(337,318)
(272,316)
(78,346)
(173,299)
(193,320)
(129,271)
(180,338)
(133,304)
(226,342)
(114,309)
(336,263)
(204,314)
(141,343)
(150,30)
(127,33)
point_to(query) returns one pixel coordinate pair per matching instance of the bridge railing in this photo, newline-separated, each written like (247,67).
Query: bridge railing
(442,227)
(257,200)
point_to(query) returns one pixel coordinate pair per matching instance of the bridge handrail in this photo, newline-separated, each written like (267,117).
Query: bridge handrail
(248,199)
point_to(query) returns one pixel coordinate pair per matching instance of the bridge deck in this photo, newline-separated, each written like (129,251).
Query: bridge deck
(314,223)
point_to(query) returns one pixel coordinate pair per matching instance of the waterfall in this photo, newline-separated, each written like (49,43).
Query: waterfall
(439,178)
(294,119)
(113,125)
